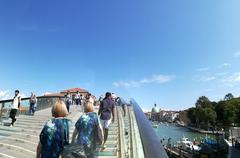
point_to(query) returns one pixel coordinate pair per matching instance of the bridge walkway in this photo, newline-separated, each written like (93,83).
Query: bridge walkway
(21,140)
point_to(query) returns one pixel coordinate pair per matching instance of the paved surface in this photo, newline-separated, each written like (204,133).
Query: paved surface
(21,140)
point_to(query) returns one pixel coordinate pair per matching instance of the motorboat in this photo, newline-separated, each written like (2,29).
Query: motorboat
(186,144)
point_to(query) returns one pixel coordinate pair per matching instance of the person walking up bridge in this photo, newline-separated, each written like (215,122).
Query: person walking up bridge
(107,114)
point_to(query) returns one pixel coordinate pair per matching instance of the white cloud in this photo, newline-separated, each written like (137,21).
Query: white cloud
(4,94)
(221,73)
(225,65)
(161,78)
(153,79)
(232,80)
(207,78)
(202,69)
(236,54)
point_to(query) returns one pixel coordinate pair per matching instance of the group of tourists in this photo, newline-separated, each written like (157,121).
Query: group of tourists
(76,99)
(89,131)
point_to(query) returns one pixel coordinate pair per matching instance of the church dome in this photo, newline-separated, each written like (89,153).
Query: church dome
(155,109)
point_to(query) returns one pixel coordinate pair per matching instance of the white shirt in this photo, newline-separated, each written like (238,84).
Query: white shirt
(16,101)
(114,96)
(77,96)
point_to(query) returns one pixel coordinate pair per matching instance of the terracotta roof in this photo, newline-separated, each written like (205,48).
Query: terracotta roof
(72,90)
(54,95)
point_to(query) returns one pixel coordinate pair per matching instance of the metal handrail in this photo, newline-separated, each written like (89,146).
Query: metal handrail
(121,134)
(136,142)
(151,144)
(9,100)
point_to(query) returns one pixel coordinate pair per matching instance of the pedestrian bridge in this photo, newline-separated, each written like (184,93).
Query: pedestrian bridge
(129,137)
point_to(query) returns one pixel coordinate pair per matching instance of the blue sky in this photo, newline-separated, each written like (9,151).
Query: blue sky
(165,52)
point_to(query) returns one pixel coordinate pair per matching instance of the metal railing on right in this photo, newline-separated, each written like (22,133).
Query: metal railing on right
(150,141)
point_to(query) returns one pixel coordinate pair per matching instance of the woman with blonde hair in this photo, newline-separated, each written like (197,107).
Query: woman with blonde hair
(88,131)
(55,133)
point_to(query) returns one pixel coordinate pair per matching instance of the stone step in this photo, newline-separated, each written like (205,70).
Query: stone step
(26,144)
(106,153)
(20,122)
(2,155)
(30,119)
(112,132)
(31,127)
(35,127)
(21,140)
(18,129)
(19,135)
(16,151)
(112,142)
(28,137)
(107,156)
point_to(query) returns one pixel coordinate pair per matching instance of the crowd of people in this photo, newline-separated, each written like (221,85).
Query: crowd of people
(77,99)
(91,129)
(88,133)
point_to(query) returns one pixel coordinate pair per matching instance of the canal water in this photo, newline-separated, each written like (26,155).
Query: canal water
(165,131)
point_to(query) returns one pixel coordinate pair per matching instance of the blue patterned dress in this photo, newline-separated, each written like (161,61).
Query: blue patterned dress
(87,128)
(54,135)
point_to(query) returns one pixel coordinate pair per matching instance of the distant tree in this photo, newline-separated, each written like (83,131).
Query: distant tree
(237,111)
(228,96)
(224,113)
(219,108)
(214,104)
(199,116)
(203,102)
(229,115)
(209,116)
(191,114)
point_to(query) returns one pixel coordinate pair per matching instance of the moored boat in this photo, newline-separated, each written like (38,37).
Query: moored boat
(186,144)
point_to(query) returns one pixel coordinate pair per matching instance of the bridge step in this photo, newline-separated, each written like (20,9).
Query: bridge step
(16,151)
(26,144)
(32,138)
(106,153)
(21,140)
